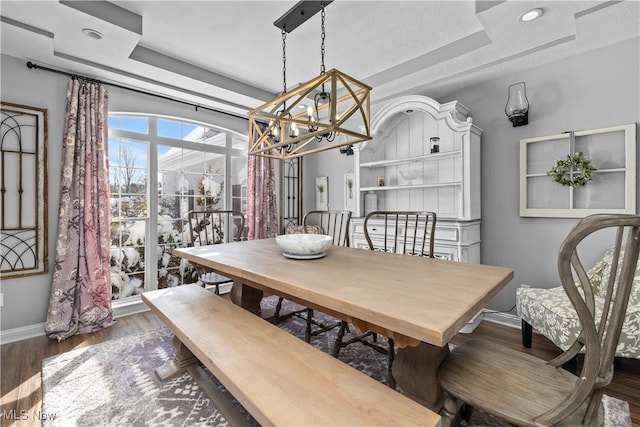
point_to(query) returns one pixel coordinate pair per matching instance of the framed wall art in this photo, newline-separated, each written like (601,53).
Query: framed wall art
(322,193)
(349,192)
(23,176)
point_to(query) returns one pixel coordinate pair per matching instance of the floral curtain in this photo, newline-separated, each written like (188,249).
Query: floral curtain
(80,300)
(262,211)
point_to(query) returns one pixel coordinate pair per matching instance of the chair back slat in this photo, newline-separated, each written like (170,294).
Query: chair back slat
(215,226)
(404,232)
(334,223)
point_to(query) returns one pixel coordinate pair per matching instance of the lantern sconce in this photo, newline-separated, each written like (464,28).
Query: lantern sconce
(517,108)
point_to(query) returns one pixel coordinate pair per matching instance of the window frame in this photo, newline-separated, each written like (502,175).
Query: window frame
(153,141)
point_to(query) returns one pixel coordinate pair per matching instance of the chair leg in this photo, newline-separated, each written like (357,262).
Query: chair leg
(307,332)
(276,315)
(337,344)
(527,334)
(594,405)
(390,358)
(451,412)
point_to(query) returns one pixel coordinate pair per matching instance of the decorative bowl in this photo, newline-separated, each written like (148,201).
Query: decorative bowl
(409,175)
(304,244)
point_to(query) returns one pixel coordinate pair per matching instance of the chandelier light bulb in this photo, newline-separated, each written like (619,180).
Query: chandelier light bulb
(293,130)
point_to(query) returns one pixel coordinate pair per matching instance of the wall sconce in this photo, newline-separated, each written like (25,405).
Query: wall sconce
(517,108)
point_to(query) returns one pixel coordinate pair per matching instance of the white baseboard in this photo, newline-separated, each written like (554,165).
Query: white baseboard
(505,319)
(473,323)
(21,333)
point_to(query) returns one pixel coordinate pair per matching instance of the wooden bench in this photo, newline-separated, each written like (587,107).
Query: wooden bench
(278,378)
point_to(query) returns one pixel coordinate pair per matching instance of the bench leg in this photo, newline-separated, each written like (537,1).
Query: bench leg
(178,365)
(527,334)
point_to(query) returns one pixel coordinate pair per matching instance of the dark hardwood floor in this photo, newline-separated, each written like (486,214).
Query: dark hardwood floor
(21,364)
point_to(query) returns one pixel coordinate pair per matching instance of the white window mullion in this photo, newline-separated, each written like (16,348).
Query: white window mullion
(152,197)
(227,175)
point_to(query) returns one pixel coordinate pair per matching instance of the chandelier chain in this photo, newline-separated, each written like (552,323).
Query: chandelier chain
(322,37)
(284,61)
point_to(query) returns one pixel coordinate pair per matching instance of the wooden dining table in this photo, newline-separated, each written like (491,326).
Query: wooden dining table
(419,302)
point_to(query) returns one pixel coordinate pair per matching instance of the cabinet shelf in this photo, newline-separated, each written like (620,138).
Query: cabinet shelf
(406,187)
(404,160)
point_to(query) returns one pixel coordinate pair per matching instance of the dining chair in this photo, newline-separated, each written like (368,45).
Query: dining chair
(212,227)
(333,223)
(524,390)
(398,232)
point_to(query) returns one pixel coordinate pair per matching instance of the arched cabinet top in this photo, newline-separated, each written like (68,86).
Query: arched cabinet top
(454,114)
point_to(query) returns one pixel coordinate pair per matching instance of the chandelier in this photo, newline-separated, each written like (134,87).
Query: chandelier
(329,111)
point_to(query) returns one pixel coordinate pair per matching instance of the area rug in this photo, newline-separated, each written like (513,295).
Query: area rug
(114,384)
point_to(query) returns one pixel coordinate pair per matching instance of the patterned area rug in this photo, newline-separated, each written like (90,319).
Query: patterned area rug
(114,384)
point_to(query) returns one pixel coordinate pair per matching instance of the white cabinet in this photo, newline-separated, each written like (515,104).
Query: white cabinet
(446,182)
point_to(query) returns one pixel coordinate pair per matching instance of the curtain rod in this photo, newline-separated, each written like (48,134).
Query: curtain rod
(31,65)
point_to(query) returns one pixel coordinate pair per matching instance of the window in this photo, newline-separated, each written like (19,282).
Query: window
(190,166)
(612,188)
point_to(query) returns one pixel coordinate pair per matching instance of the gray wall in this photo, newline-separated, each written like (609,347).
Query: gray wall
(26,299)
(592,90)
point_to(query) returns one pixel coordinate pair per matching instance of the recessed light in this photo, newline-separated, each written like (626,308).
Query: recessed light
(531,15)
(91,33)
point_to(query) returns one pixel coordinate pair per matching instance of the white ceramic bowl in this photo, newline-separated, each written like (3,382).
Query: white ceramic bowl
(409,175)
(304,244)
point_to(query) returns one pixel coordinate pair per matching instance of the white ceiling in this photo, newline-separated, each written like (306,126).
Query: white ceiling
(228,54)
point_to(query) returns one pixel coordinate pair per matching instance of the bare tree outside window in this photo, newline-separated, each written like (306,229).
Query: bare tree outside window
(132,178)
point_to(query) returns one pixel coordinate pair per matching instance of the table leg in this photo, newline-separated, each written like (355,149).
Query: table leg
(183,359)
(415,371)
(246,297)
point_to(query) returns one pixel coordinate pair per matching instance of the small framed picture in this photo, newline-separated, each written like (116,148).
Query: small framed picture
(349,192)
(322,193)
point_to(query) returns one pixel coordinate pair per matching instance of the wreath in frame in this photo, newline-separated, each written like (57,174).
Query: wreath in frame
(579,164)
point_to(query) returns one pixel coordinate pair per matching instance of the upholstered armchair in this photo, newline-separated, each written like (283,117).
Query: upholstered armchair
(550,312)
